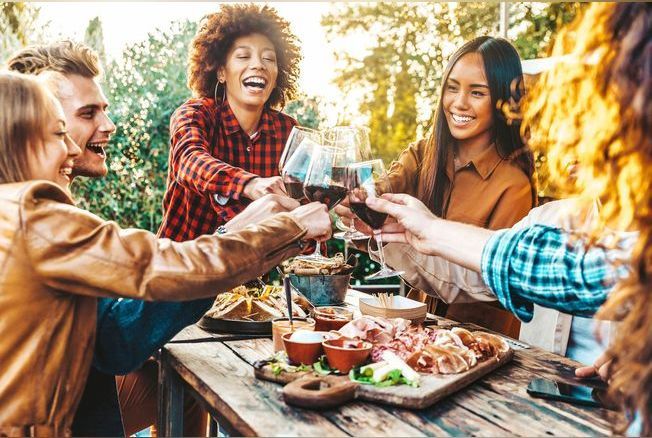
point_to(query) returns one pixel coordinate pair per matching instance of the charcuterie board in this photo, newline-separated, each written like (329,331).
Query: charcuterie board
(432,388)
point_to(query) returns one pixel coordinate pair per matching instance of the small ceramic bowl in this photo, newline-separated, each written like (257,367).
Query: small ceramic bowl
(344,354)
(329,318)
(307,352)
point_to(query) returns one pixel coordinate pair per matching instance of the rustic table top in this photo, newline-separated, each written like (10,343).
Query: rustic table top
(220,373)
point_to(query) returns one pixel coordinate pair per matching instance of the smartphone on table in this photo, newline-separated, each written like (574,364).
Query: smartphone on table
(577,394)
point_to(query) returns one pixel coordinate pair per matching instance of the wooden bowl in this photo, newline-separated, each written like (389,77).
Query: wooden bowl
(401,307)
(344,354)
(305,353)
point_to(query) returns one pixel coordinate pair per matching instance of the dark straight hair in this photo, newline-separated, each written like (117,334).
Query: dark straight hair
(502,66)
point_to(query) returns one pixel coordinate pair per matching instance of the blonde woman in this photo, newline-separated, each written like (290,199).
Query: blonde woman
(57,259)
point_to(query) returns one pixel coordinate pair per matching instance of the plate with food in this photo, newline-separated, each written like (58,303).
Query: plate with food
(250,310)
(391,361)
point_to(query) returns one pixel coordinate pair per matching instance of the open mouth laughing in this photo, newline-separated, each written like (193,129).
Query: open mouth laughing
(65,171)
(254,84)
(97,148)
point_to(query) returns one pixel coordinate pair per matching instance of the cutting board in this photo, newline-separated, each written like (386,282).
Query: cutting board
(432,387)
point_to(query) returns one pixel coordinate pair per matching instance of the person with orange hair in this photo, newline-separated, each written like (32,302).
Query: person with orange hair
(596,108)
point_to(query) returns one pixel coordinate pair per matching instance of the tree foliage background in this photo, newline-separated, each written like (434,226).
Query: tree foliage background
(396,79)
(400,72)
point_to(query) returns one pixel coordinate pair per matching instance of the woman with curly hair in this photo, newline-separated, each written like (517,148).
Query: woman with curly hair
(594,107)
(226,140)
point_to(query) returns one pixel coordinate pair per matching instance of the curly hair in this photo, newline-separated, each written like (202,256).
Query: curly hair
(596,108)
(218,32)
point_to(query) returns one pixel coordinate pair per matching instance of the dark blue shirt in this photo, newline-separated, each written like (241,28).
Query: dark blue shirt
(128,332)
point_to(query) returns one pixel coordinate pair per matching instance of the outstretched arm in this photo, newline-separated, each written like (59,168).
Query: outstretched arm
(538,264)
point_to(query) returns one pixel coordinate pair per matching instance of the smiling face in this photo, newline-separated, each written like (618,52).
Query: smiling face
(52,160)
(467,102)
(84,106)
(250,71)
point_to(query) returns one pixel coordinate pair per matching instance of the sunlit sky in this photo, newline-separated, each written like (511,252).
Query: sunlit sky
(128,22)
(125,23)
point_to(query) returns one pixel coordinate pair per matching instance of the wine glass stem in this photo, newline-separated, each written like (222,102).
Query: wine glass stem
(317,252)
(378,235)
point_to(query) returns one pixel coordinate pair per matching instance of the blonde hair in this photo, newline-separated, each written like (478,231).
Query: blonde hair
(26,109)
(65,57)
(596,108)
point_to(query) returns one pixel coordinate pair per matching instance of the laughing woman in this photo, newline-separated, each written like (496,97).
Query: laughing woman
(474,169)
(58,259)
(227,140)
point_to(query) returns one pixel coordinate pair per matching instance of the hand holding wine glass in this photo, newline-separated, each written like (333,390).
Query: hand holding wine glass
(414,225)
(369,180)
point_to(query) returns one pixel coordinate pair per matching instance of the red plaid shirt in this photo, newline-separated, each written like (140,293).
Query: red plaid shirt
(211,155)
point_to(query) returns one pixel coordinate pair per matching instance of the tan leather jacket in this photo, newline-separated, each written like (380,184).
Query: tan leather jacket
(55,259)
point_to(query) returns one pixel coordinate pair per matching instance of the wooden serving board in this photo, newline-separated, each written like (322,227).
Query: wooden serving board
(432,387)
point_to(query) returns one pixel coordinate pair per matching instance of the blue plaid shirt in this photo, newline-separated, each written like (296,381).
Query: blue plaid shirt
(543,265)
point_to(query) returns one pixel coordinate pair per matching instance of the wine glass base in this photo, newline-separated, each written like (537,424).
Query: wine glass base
(350,236)
(384,273)
(312,258)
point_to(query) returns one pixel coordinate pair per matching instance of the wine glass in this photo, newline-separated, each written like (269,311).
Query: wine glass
(325,181)
(293,179)
(296,137)
(355,140)
(295,168)
(364,180)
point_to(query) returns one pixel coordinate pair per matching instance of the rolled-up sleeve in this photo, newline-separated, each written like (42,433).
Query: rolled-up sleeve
(435,275)
(546,266)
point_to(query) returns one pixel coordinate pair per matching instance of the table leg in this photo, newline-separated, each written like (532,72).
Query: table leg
(170,399)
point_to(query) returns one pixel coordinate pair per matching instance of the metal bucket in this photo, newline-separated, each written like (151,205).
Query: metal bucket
(322,290)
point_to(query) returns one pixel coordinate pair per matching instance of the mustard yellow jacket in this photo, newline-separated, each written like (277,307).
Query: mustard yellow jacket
(56,259)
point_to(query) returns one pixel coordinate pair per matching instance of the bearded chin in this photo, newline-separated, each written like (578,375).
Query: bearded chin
(88,171)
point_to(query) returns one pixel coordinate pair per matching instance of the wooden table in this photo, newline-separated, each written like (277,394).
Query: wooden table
(219,374)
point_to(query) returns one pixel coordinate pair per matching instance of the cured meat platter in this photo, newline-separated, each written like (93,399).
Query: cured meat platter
(432,389)
(446,361)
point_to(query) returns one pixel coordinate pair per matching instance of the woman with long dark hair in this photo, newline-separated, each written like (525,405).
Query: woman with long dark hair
(474,168)
(594,107)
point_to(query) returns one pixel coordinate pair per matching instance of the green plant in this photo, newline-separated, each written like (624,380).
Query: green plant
(144,88)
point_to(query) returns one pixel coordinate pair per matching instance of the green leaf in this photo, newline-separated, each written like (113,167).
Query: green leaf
(321,367)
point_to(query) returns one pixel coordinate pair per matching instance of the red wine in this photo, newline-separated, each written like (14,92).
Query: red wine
(295,189)
(329,195)
(370,217)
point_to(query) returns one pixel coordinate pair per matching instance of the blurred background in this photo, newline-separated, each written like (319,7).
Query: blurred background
(377,64)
